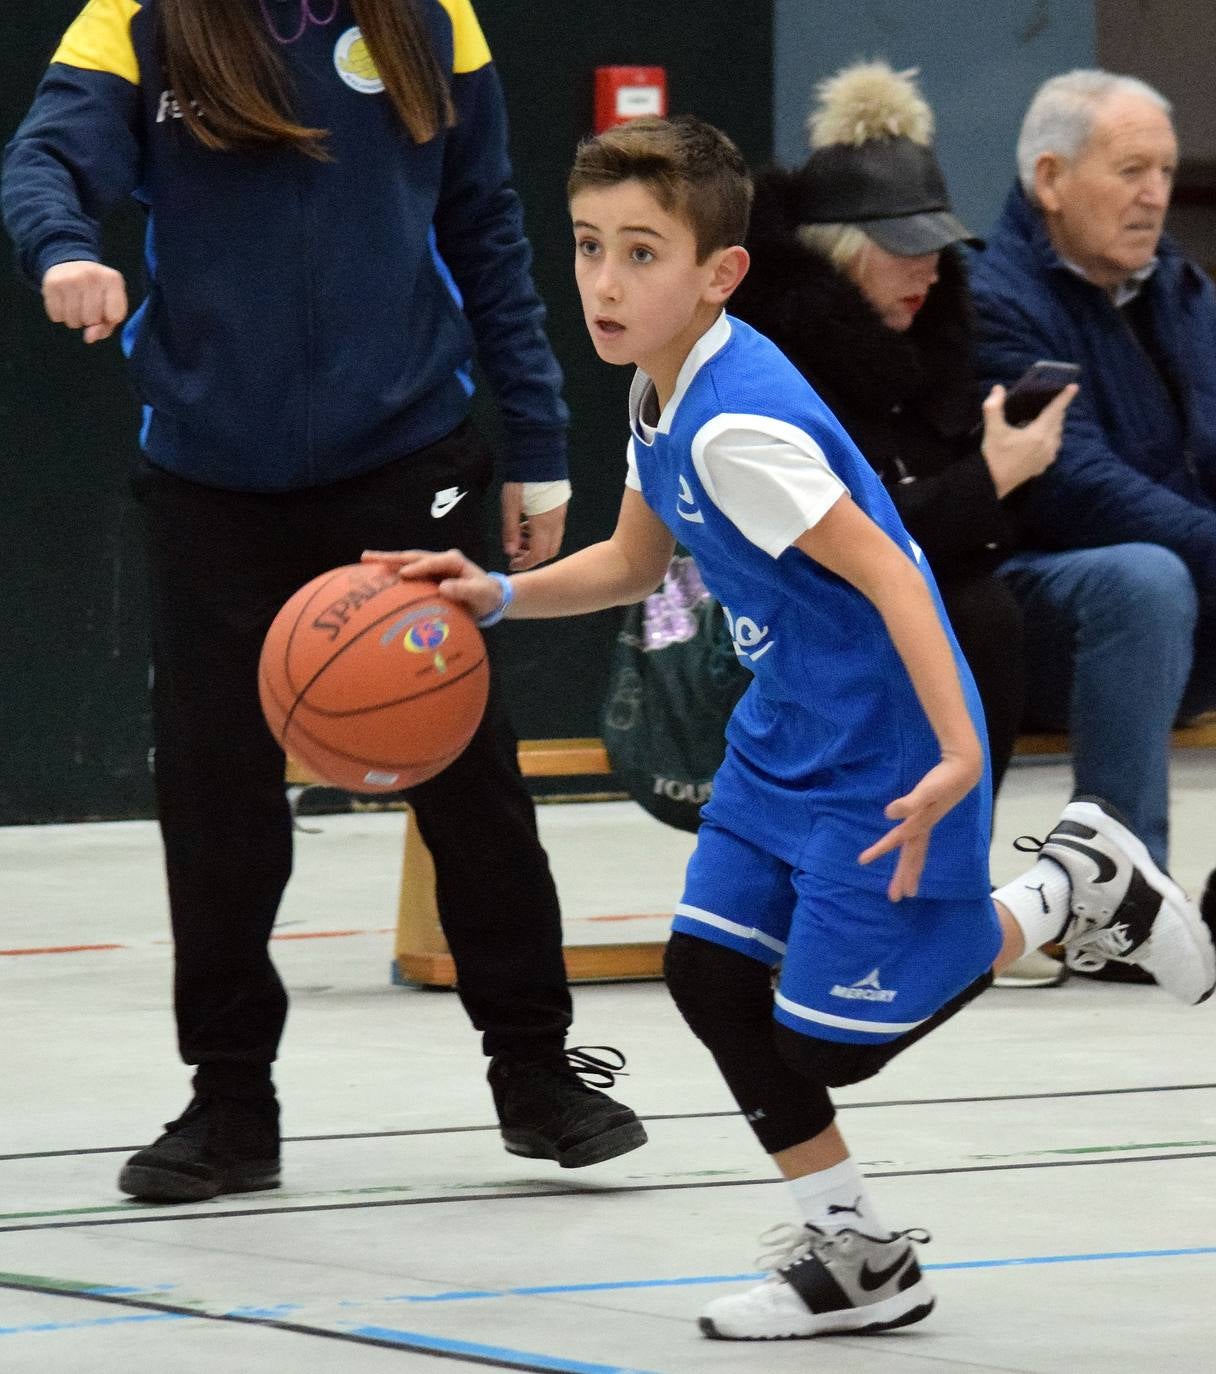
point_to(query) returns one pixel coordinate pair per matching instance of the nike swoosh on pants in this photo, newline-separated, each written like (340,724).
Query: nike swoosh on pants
(440,508)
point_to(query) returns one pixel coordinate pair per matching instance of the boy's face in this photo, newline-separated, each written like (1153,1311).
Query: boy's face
(646,299)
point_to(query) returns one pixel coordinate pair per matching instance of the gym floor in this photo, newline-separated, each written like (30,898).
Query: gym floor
(1059,1144)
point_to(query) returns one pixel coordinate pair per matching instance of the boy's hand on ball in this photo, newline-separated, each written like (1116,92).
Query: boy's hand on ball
(455,575)
(372,682)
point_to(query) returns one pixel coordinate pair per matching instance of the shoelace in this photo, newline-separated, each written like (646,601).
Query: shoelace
(594,1071)
(1089,950)
(1028,844)
(787,1243)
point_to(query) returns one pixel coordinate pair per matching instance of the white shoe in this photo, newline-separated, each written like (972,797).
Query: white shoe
(1033,970)
(825,1282)
(1123,907)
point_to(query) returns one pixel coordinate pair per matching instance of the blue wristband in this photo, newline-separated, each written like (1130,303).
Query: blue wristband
(508,595)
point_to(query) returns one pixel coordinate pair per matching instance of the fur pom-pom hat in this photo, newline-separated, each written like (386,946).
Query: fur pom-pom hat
(872,163)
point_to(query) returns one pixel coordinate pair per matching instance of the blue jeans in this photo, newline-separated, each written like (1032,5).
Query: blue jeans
(1111,657)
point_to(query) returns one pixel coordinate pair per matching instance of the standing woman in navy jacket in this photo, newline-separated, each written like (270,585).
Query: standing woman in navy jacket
(332,236)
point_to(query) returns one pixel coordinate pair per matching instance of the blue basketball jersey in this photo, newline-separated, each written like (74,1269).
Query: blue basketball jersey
(830,730)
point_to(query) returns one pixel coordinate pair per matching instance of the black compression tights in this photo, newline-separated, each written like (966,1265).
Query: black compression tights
(779,1077)
(727,1000)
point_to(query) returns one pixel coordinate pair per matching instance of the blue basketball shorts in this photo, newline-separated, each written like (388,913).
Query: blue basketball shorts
(854,966)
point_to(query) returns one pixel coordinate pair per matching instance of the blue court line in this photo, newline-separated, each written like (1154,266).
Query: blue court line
(525,1362)
(463,1295)
(1075,1259)
(542,1289)
(91,1322)
(498,1354)
(543,1362)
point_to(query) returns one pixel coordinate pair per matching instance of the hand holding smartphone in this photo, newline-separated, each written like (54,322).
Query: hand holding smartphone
(1040,384)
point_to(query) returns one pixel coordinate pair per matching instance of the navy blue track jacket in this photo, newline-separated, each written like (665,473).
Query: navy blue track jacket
(301,325)
(1131,468)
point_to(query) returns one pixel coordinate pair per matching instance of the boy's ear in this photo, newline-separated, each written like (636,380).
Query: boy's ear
(729,268)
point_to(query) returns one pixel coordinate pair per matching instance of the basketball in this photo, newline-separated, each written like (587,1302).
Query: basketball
(372,683)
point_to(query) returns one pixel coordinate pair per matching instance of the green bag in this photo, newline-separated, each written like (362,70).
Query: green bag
(674,682)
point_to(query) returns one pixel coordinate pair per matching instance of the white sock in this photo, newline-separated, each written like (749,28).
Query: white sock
(837,1197)
(1038,902)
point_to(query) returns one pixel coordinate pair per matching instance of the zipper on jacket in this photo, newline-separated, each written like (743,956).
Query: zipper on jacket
(1181,405)
(310,327)
(904,478)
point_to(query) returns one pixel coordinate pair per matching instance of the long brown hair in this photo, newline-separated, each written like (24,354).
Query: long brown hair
(233,92)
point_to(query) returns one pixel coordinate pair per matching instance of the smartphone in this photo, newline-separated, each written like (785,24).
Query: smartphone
(1035,388)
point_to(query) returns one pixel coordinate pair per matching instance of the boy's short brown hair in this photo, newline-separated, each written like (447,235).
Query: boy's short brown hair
(692,169)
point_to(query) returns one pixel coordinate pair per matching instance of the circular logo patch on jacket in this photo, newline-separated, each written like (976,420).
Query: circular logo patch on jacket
(353,59)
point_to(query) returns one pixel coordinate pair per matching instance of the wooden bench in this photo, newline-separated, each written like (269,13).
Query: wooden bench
(1201,734)
(421,954)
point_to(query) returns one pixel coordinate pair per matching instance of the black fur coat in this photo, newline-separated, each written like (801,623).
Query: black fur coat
(908,400)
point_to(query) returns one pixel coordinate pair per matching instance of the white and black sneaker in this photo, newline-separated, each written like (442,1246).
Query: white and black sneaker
(824,1283)
(1123,908)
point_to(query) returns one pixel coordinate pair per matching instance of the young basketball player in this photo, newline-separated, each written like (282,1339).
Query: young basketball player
(861,719)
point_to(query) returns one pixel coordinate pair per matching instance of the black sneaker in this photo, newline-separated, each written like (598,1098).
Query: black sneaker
(546,1111)
(217,1145)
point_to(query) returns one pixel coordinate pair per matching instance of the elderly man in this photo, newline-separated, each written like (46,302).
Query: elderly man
(1116,569)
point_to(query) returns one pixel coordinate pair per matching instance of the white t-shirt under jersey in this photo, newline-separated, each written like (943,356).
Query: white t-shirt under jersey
(768,477)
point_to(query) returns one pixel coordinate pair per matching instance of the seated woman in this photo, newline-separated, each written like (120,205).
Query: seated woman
(857,277)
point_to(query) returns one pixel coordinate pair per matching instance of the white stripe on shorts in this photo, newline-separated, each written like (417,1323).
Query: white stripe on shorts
(695,913)
(825,1018)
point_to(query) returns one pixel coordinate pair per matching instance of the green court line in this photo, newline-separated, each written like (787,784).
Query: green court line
(134,1213)
(664,1116)
(43,1283)
(403,1190)
(61,1285)
(1100,1149)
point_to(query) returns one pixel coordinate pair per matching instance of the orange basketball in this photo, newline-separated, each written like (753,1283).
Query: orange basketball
(372,683)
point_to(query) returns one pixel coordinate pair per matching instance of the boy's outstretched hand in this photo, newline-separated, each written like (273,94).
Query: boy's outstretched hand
(458,577)
(942,788)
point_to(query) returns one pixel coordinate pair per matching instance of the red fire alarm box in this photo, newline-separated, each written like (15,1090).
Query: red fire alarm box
(625,93)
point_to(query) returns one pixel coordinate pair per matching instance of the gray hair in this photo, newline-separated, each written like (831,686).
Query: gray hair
(1061,115)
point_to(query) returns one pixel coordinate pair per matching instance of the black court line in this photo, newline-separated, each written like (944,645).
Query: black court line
(144,1213)
(661,1116)
(294,1328)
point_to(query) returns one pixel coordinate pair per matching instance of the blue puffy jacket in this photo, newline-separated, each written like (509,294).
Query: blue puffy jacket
(1130,467)
(301,324)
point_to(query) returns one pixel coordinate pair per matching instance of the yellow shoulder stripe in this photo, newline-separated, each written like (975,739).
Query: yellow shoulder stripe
(470,49)
(100,40)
